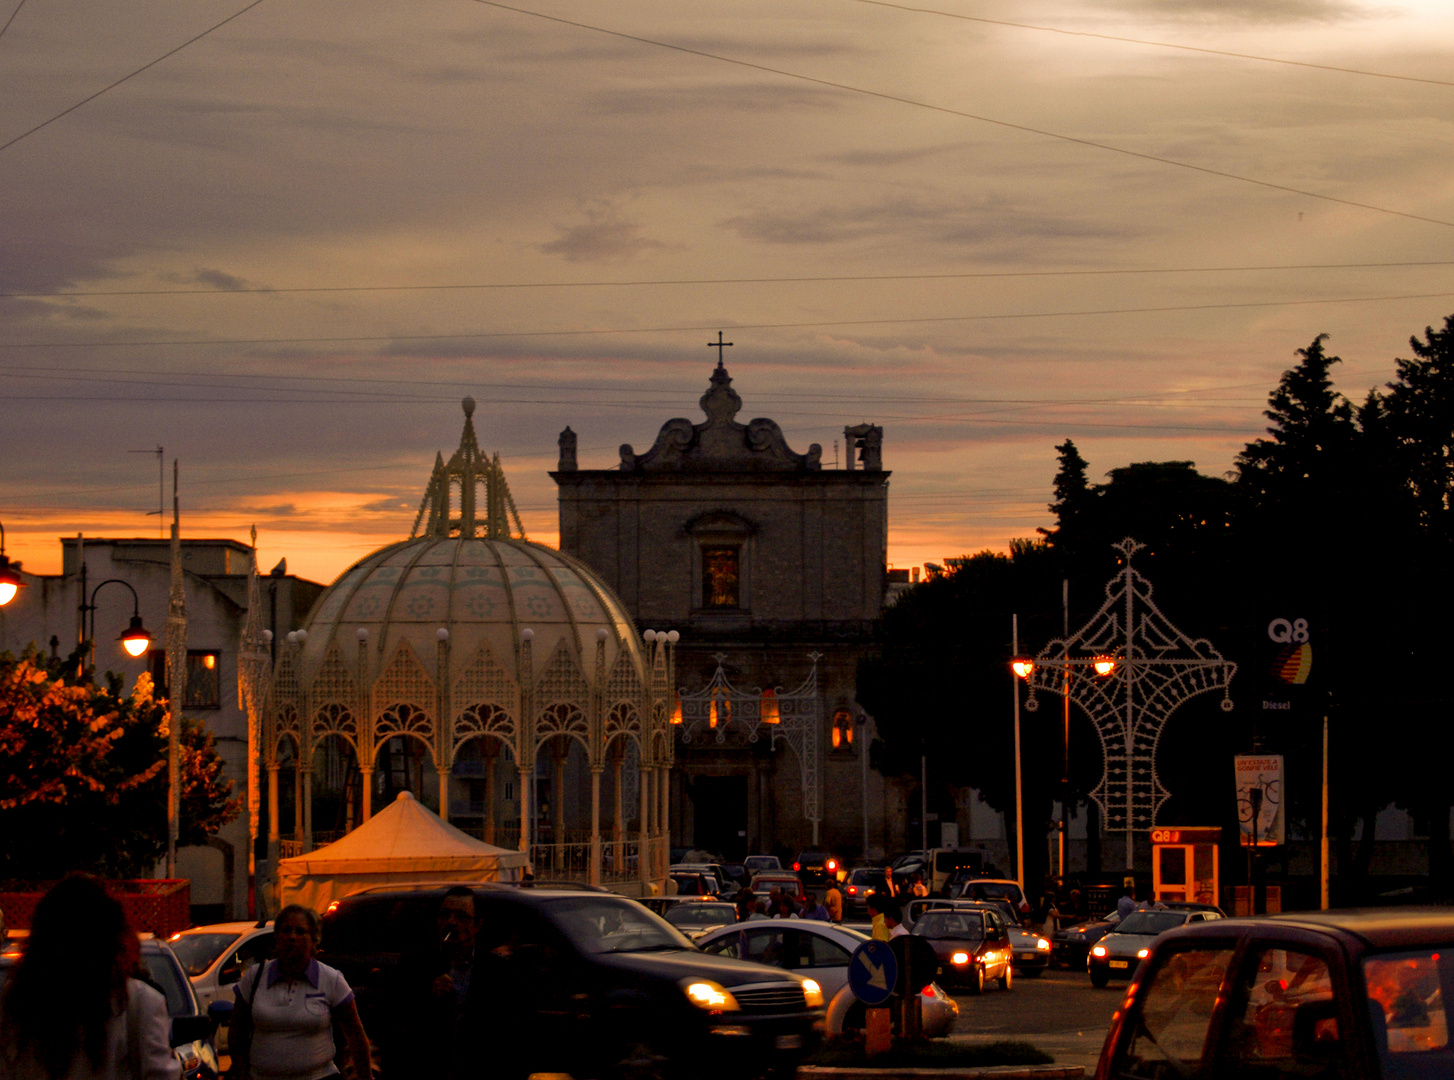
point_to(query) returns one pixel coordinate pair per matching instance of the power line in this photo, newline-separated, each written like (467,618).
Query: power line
(806,279)
(883,96)
(10,20)
(1157,44)
(505,334)
(125,78)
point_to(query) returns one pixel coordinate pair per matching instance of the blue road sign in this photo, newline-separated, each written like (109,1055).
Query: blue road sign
(872,972)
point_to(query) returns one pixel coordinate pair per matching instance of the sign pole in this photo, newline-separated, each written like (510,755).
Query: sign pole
(1019,789)
(1323,841)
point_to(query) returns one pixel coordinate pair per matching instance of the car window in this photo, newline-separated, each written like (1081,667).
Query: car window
(767,945)
(961,925)
(1150,922)
(168,978)
(1410,1018)
(607,924)
(817,951)
(698,915)
(1169,1031)
(248,953)
(1284,1018)
(729,945)
(196,952)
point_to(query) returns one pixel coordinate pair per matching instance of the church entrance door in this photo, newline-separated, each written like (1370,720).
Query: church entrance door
(719,812)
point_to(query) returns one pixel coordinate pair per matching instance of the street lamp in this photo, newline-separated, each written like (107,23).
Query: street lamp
(136,639)
(10,582)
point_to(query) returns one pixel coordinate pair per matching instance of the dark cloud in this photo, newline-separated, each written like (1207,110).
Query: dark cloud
(604,237)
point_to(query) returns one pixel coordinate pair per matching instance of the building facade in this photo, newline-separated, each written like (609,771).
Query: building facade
(773,569)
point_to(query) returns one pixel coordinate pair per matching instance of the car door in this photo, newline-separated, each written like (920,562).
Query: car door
(1165,1031)
(252,950)
(820,958)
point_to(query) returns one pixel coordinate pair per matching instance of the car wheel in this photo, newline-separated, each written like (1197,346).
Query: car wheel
(1099,978)
(976,985)
(1007,980)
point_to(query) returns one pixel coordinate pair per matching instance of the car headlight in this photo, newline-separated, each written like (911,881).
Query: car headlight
(813,992)
(960,958)
(710,996)
(1099,950)
(1143,954)
(1042,944)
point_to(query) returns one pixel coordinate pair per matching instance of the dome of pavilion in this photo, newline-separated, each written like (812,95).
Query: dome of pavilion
(466,590)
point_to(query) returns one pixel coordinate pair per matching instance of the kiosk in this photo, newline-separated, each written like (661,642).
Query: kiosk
(1184,864)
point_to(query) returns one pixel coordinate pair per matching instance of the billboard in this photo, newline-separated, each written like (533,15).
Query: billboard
(1259,799)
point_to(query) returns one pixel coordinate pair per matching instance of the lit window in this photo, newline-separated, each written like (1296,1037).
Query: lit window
(767,708)
(204,677)
(719,576)
(842,730)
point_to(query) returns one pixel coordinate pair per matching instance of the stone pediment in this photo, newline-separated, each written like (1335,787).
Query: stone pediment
(720,443)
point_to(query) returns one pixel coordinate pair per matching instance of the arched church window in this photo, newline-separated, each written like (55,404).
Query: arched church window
(720,576)
(843,731)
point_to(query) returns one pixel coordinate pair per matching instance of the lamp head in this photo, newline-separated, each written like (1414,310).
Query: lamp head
(1104,665)
(10,582)
(136,640)
(1022,666)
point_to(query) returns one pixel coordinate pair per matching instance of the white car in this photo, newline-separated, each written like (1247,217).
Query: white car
(215,956)
(820,951)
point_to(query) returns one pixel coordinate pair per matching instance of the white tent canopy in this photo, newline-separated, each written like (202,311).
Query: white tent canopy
(405,842)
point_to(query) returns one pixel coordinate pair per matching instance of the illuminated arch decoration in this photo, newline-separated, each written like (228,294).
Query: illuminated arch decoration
(1158,668)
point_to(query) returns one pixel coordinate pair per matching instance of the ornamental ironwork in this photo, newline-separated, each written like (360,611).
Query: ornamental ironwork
(720,713)
(1157,669)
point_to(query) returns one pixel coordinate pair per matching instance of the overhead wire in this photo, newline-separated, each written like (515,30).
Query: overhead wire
(1156,44)
(346,339)
(900,99)
(644,282)
(13,13)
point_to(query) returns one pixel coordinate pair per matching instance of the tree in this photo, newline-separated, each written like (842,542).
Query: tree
(1072,492)
(83,774)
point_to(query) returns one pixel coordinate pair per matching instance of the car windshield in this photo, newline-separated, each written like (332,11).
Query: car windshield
(701,914)
(1410,1015)
(1151,922)
(867,877)
(961,925)
(762,862)
(604,924)
(198,952)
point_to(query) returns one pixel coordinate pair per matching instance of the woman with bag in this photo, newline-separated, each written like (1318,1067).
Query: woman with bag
(284,1018)
(72,1011)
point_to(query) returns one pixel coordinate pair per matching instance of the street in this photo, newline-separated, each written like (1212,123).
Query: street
(1060,1012)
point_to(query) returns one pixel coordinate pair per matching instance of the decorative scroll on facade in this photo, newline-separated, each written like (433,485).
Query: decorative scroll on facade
(1157,668)
(725,715)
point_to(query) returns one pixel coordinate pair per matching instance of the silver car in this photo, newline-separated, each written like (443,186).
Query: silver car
(1119,953)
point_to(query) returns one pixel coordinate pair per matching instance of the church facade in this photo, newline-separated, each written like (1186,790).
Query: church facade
(773,570)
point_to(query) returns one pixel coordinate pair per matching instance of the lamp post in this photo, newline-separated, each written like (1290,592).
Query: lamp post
(10,582)
(136,639)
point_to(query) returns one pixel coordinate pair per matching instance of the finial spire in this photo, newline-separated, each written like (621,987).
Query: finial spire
(452,505)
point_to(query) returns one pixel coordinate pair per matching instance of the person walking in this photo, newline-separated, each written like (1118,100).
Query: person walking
(875,903)
(283,1019)
(73,1009)
(833,901)
(894,920)
(436,997)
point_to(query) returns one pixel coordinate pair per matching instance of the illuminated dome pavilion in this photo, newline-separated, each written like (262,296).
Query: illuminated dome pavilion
(451,663)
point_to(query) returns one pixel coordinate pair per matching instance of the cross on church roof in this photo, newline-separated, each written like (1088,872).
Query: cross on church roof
(719,345)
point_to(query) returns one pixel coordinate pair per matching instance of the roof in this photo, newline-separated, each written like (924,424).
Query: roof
(1379,927)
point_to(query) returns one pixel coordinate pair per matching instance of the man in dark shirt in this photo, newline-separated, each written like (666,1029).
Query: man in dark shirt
(437,998)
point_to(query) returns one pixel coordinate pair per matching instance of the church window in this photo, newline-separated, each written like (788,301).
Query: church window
(843,731)
(720,576)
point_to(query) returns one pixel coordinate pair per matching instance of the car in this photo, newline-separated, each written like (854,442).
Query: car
(724,886)
(973,947)
(737,872)
(857,887)
(192,1027)
(1351,995)
(1071,944)
(822,951)
(756,863)
(1119,952)
(215,956)
(995,889)
(1031,950)
(815,868)
(696,918)
(788,882)
(694,883)
(612,984)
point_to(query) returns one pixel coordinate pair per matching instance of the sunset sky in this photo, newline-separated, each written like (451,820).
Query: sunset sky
(285,251)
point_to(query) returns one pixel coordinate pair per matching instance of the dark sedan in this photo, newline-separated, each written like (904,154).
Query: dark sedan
(972,947)
(598,983)
(1072,943)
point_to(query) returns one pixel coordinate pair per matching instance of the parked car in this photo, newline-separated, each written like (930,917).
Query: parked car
(1071,944)
(785,880)
(973,947)
(857,887)
(815,868)
(1345,995)
(191,1025)
(215,956)
(822,951)
(695,919)
(611,982)
(1118,954)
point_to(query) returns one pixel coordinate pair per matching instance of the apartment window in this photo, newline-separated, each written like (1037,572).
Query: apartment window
(720,577)
(843,731)
(204,677)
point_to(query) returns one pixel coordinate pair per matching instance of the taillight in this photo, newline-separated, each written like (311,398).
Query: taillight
(797,867)
(832,865)
(853,890)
